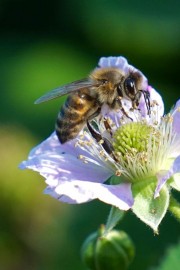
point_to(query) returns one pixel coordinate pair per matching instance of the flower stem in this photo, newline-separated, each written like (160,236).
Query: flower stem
(174,208)
(114,217)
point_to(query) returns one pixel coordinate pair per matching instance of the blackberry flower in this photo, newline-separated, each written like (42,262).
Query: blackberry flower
(140,172)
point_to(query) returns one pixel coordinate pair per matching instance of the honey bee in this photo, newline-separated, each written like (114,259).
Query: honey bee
(104,85)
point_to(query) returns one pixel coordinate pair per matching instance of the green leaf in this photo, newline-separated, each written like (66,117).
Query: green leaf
(171,259)
(174,208)
(151,211)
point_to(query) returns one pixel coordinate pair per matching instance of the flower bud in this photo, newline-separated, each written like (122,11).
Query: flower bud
(108,251)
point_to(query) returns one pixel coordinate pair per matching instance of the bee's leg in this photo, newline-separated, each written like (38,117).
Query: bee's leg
(107,126)
(122,109)
(96,135)
(136,100)
(106,144)
(146,99)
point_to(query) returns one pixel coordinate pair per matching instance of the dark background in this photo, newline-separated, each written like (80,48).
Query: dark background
(44,44)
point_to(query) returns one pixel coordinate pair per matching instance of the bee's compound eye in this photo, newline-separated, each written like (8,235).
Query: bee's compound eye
(130,86)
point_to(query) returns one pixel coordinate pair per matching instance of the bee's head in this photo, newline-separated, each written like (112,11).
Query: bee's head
(114,83)
(130,84)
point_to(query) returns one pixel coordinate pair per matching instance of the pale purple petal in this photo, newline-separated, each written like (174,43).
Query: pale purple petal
(56,162)
(163,176)
(176,165)
(71,180)
(155,96)
(176,117)
(80,192)
(114,61)
(116,115)
(52,145)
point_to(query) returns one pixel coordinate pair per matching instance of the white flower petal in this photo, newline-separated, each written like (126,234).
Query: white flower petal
(155,96)
(84,191)
(63,167)
(163,176)
(55,161)
(52,146)
(114,61)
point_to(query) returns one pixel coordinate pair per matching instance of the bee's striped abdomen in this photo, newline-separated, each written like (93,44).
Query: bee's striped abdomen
(73,115)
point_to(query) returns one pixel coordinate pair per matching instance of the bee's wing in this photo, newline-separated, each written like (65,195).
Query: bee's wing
(65,89)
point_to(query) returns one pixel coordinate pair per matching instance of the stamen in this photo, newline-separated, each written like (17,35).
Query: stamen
(101,141)
(139,147)
(83,158)
(118,173)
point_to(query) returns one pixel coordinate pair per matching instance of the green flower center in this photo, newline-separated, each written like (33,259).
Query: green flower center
(132,137)
(136,146)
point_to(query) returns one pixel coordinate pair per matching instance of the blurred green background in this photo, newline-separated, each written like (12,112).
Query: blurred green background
(44,44)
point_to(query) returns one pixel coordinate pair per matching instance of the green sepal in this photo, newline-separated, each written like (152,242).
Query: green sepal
(115,180)
(150,210)
(176,181)
(115,215)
